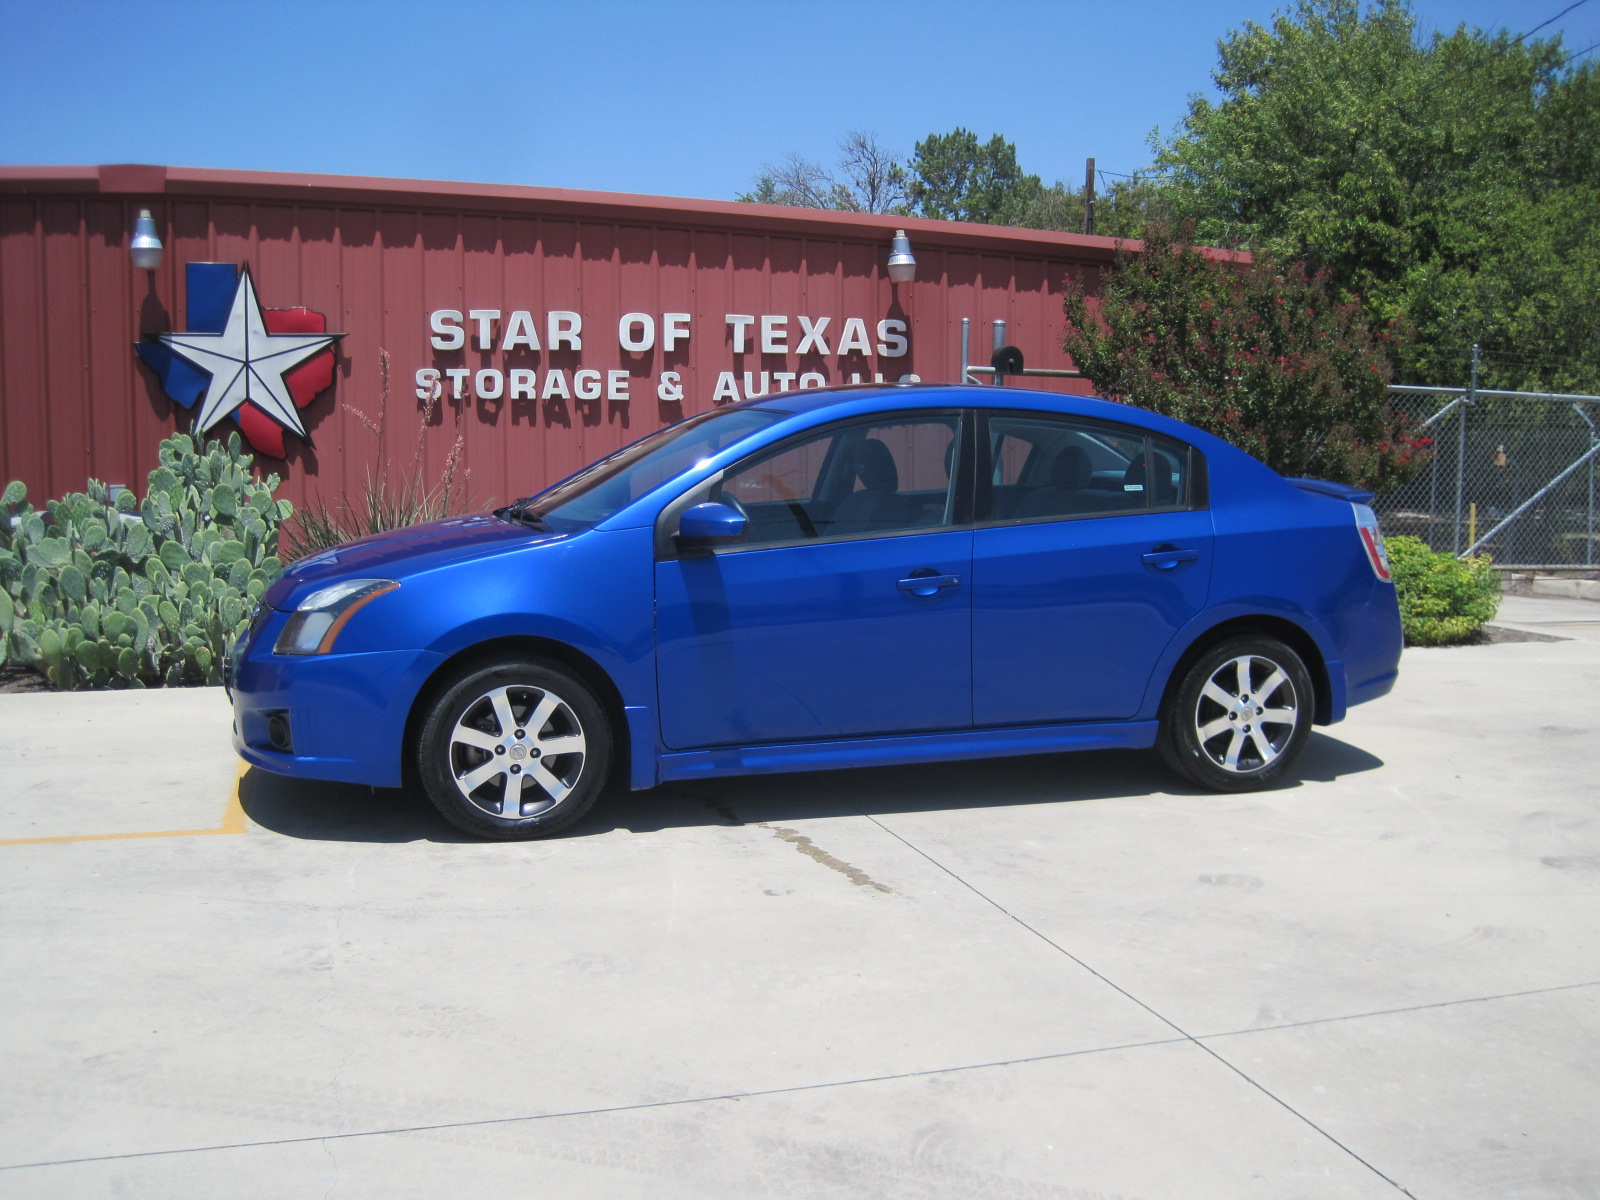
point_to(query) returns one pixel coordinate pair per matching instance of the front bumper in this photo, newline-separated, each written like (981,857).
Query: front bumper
(339,717)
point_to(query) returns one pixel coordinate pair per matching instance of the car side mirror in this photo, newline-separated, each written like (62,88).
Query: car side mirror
(710,523)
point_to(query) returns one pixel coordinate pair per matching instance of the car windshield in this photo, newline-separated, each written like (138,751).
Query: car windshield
(604,488)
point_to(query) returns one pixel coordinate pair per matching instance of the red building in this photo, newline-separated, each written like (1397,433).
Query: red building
(540,328)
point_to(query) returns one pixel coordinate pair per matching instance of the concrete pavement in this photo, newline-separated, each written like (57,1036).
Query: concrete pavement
(1067,976)
(1559,616)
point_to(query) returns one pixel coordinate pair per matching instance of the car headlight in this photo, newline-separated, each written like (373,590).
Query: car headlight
(318,618)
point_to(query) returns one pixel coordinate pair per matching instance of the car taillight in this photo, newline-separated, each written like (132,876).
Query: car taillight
(1372,541)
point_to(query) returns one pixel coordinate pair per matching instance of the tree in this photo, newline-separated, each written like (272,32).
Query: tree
(954,178)
(797,182)
(869,179)
(1259,354)
(878,182)
(1421,177)
(1055,207)
(1130,205)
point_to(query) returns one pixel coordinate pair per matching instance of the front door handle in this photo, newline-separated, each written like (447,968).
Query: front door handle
(1165,558)
(927,585)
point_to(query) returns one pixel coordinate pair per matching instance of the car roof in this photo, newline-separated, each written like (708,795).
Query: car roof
(853,399)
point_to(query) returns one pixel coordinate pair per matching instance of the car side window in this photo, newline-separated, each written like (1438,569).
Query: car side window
(1043,467)
(891,475)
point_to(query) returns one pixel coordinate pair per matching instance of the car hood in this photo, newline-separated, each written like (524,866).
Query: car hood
(402,552)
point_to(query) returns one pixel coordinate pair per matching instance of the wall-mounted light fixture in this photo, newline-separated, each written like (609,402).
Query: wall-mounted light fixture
(902,267)
(146,246)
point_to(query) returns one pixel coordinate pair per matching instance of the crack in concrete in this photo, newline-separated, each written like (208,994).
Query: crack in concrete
(1163,1018)
(644,1106)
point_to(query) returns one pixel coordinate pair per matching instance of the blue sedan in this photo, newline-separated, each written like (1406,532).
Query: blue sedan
(831,578)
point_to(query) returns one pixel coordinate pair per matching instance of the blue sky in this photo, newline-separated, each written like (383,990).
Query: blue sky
(681,99)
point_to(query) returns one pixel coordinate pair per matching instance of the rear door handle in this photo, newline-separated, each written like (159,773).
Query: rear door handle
(928,585)
(1164,559)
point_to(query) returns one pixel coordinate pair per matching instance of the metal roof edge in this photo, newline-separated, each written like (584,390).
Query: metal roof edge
(155,180)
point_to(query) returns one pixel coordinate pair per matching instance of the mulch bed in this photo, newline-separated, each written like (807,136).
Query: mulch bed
(20,679)
(1498,635)
(1494,635)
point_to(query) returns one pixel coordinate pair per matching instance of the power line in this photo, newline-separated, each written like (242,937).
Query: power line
(1458,71)
(1557,17)
(1525,34)
(1153,171)
(1580,53)
(1501,50)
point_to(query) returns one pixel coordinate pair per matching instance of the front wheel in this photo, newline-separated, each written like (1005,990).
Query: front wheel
(1240,716)
(514,751)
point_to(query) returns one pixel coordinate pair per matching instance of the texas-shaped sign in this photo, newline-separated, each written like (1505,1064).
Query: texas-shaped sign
(258,366)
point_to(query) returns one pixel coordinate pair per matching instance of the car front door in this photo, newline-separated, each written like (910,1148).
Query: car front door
(844,611)
(1084,567)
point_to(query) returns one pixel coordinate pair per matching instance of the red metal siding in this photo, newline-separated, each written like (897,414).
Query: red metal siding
(377,257)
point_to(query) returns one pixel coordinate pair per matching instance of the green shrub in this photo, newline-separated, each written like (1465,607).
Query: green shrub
(1443,599)
(100,591)
(1263,355)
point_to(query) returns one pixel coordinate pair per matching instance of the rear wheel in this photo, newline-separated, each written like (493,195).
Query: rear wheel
(1240,717)
(514,751)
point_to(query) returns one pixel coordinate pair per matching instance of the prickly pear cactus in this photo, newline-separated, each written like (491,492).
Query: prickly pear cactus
(100,591)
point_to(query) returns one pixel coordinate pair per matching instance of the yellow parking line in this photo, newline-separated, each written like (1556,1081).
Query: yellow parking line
(233,821)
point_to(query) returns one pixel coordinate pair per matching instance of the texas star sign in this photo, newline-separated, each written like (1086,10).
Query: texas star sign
(258,366)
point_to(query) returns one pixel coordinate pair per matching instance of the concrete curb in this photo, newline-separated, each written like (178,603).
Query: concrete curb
(1570,589)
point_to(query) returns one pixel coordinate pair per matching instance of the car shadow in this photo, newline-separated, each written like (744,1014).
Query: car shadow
(1327,759)
(344,812)
(341,812)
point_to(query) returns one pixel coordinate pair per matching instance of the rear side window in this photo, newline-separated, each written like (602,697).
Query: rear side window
(1042,467)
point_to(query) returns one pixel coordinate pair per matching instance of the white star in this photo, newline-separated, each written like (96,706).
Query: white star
(246,363)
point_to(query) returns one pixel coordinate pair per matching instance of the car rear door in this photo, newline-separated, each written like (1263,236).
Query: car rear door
(1081,577)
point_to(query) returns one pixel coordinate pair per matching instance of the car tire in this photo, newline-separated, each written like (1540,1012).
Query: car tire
(523,725)
(1240,716)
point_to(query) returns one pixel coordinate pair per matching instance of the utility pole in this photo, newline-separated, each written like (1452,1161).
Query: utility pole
(1088,197)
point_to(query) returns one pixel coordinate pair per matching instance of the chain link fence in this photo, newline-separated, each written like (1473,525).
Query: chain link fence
(1513,474)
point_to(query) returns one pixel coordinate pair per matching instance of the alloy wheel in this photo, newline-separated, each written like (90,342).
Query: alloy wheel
(517,751)
(1246,714)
